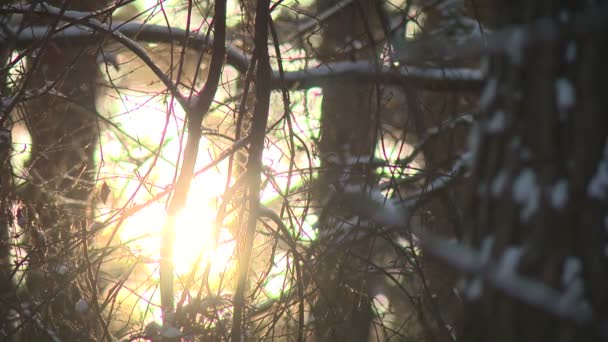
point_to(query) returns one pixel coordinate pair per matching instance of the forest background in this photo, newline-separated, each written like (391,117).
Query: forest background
(353,170)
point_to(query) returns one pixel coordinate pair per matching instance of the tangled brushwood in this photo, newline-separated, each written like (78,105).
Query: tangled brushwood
(353,170)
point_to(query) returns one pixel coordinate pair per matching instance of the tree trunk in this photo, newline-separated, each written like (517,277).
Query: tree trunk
(63,127)
(540,193)
(348,125)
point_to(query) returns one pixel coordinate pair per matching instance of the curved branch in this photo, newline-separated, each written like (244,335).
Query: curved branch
(95,27)
(254,162)
(429,78)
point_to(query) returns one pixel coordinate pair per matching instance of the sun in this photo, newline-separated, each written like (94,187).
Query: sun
(152,149)
(196,231)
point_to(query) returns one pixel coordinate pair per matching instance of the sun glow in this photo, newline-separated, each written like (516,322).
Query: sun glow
(125,162)
(139,159)
(195,230)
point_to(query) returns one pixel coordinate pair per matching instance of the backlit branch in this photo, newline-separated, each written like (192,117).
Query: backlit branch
(432,78)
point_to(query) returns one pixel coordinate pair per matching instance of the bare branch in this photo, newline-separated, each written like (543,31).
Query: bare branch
(254,163)
(430,78)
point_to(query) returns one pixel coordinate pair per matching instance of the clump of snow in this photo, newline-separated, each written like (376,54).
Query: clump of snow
(474,290)
(515,143)
(598,186)
(572,268)
(485,252)
(564,94)
(432,130)
(170,332)
(497,123)
(61,269)
(473,142)
(509,261)
(571,52)
(82,306)
(499,183)
(488,94)
(526,192)
(574,295)
(384,211)
(559,194)
(526,154)
(515,46)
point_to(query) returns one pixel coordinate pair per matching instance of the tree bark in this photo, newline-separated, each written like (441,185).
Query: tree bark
(539,200)
(348,126)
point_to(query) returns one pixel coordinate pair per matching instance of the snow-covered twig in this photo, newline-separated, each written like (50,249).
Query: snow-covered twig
(503,276)
(430,78)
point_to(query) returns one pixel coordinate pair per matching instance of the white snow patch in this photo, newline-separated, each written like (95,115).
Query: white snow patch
(473,141)
(432,130)
(572,268)
(82,306)
(482,188)
(499,183)
(62,269)
(559,194)
(497,123)
(564,94)
(515,46)
(573,297)
(485,252)
(509,261)
(526,154)
(571,52)
(474,290)
(170,332)
(526,193)
(488,94)
(515,143)
(598,186)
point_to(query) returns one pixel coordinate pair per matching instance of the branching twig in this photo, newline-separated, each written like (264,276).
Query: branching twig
(194,117)
(430,78)
(254,163)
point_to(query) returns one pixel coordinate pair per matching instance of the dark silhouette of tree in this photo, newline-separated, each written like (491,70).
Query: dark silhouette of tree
(538,198)
(457,166)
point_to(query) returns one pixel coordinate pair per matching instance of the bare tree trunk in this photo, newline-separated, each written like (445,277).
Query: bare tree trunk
(441,213)
(540,196)
(348,125)
(63,127)
(7,286)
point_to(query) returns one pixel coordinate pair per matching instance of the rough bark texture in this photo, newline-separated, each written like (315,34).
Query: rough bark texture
(537,195)
(441,213)
(64,134)
(7,286)
(348,126)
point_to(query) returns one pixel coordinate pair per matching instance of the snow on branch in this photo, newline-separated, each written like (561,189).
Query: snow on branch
(90,27)
(510,40)
(430,78)
(92,31)
(503,276)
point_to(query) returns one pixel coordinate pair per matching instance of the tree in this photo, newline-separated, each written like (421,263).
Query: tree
(538,181)
(452,153)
